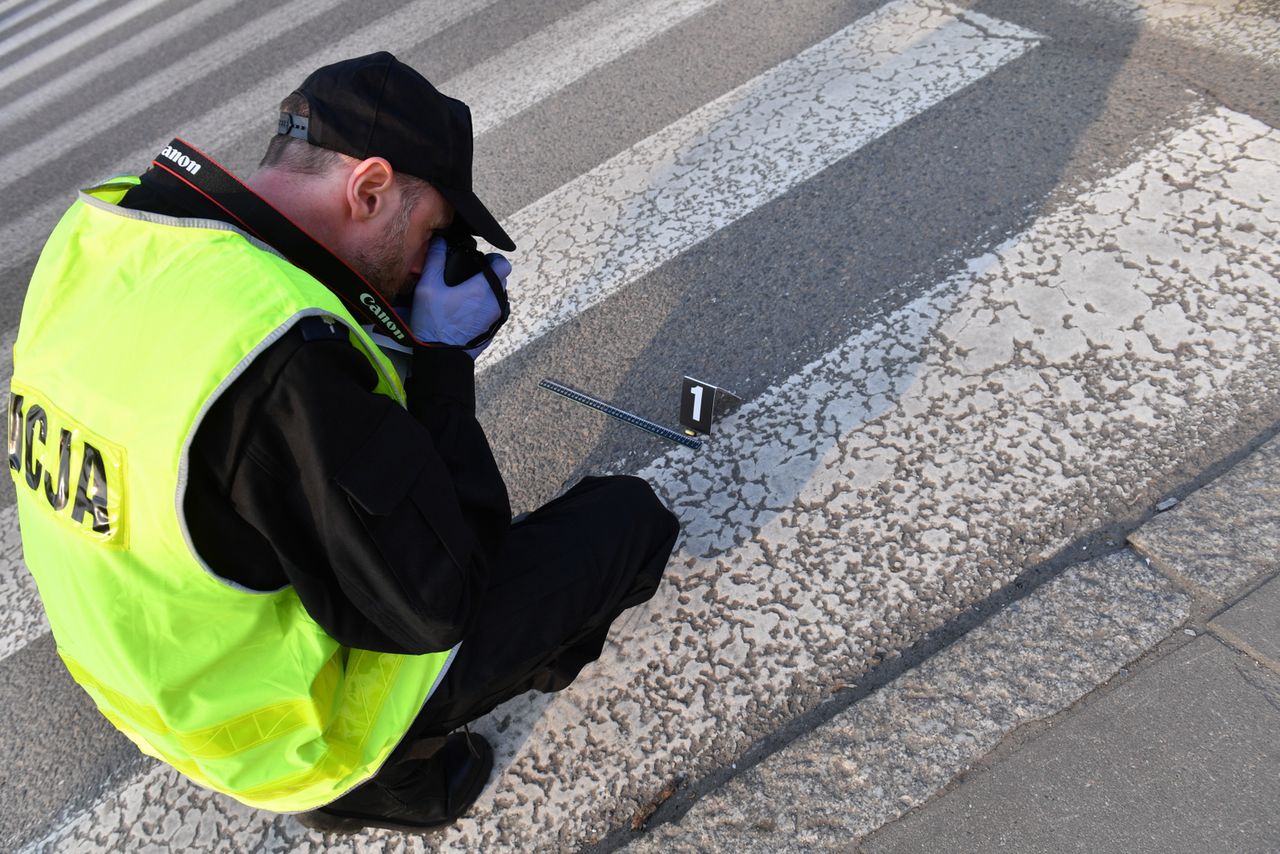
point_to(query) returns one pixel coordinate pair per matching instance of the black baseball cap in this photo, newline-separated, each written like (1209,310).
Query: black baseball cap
(376,106)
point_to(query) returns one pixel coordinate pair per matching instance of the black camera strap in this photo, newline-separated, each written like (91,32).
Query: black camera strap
(194,169)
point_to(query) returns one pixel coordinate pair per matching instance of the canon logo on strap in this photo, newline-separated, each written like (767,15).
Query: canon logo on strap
(181,159)
(205,175)
(376,310)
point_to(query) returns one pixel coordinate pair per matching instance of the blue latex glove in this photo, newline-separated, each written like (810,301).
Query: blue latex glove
(455,315)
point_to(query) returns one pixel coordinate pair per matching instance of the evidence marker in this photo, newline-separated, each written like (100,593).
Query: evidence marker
(620,414)
(702,403)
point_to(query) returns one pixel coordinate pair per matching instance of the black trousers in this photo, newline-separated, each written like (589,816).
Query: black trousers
(569,569)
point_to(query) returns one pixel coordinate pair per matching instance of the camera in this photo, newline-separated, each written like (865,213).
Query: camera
(462,259)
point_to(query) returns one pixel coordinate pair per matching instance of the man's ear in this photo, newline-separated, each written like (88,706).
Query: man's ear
(369,188)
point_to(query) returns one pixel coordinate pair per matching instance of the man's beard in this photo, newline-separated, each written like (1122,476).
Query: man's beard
(380,264)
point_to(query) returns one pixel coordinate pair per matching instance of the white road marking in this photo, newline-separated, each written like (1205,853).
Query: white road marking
(7,6)
(161,83)
(75,39)
(22,617)
(905,741)
(549,59)
(902,744)
(908,472)
(563,53)
(45,24)
(27,620)
(11,20)
(401,29)
(702,173)
(1248,28)
(534,69)
(100,64)
(925,37)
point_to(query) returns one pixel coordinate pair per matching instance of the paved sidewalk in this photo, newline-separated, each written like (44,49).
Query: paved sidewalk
(1130,704)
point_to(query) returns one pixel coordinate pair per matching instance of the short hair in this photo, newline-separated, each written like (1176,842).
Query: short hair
(297,155)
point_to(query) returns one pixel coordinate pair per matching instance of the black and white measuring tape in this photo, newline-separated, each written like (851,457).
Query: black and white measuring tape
(621,414)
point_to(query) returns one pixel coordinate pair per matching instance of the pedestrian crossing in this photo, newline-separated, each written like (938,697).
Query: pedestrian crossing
(78,37)
(30,12)
(101,63)
(1246,29)
(600,231)
(22,618)
(574,50)
(545,65)
(851,518)
(21,160)
(7,16)
(895,480)
(648,204)
(563,53)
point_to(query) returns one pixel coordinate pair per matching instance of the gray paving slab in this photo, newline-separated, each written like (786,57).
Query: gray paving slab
(1182,757)
(1253,623)
(1223,537)
(893,749)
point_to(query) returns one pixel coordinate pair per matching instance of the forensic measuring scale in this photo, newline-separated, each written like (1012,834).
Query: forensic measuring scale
(700,404)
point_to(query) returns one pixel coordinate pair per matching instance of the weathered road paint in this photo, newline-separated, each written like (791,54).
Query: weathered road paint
(643,207)
(909,473)
(76,39)
(397,31)
(563,53)
(22,617)
(534,69)
(1247,28)
(824,526)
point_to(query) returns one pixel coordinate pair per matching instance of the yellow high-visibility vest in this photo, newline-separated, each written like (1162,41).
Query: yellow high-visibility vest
(133,325)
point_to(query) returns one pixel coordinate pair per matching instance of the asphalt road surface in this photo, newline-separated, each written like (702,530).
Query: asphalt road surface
(992,278)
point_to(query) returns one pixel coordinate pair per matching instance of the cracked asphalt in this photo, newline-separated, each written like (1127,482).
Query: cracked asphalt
(992,279)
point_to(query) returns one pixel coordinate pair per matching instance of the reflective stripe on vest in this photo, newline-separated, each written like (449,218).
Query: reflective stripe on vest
(132,326)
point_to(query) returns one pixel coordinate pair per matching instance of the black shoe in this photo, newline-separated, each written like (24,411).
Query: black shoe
(427,793)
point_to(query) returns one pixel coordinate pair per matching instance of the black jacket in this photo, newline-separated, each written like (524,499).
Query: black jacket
(385,521)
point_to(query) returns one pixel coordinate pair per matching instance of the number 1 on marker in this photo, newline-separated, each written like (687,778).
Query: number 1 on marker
(693,415)
(696,418)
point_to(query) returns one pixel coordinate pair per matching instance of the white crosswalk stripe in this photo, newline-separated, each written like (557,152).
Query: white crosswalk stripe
(151,89)
(6,7)
(73,40)
(643,207)
(1248,29)
(22,618)
(850,71)
(541,63)
(553,58)
(886,486)
(10,21)
(100,64)
(394,32)
(836,507)
(32,227)
(758,549)
(46,24)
